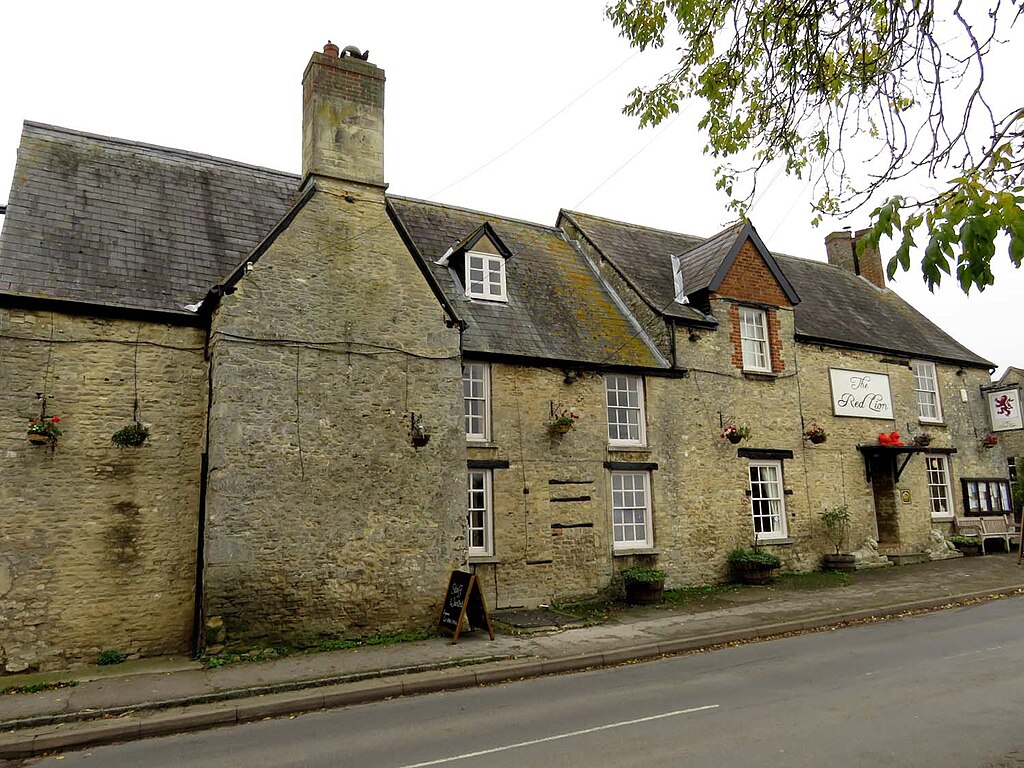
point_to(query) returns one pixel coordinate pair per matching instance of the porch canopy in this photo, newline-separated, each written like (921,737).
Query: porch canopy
(898,456)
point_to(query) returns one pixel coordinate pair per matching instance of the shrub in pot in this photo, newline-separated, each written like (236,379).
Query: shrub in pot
(970,546)
(836,522)
(752,565)
(643,585)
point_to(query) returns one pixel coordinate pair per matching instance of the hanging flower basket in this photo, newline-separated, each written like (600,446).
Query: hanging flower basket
(734,434)
(991,440)
(922,440)
(131,436)
(563,420)
(815,433)
(44,430)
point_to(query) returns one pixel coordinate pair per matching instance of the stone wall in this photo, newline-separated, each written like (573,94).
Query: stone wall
(552,507)
(98,544)
(324,519)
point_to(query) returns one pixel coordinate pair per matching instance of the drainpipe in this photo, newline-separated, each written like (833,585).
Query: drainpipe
(198,618)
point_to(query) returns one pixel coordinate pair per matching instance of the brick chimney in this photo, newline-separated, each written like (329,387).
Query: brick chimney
(343,117)
(841,249)
(869,262)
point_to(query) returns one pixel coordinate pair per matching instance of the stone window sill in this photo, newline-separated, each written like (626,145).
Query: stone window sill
(629,552)
(629,449)
(481,444)
(764,375)
(484,560)
(776,542)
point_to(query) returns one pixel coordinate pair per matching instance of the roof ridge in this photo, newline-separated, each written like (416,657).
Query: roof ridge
(487,214)
(58,129)
(636,226)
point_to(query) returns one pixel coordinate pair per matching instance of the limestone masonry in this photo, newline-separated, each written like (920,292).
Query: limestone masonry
(344,395)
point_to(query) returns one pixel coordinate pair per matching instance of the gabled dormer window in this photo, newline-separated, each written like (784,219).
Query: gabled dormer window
(485,276)
(677,280)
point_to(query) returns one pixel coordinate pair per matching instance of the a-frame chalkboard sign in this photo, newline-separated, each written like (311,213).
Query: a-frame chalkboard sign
(463,602)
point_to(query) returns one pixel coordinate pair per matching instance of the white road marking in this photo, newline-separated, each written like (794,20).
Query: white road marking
(568,735)
(974,652)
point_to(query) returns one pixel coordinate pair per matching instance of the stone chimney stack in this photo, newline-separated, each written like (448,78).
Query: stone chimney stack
(343,117)
(841,248)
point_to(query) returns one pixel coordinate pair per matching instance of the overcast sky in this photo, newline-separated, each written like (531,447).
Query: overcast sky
(511,108)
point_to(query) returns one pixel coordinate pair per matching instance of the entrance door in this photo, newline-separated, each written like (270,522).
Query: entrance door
(883,487)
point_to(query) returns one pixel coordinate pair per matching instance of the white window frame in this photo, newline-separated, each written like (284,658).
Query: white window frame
(484,400)
(756,349)
(677,280)
(480,512)
(940,490)
(624,410)
(485,272)
(926,386)
(761,491)
(631,509)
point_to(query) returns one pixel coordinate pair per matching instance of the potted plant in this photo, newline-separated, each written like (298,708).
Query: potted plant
(131,436)
(44,430)
(922,439)
(562,420)
(643,585)
(815,433)
(420,435)
(753,565)
(734,434)
(836,522)
(991,440)
(970,546)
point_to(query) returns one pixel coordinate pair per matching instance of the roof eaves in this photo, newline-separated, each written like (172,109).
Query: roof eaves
(574,364)
(117,311)
(977,362)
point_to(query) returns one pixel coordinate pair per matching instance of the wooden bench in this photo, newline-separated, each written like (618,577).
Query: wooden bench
(989,527)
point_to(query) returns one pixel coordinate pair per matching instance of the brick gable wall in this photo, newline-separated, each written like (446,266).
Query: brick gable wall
(749,279)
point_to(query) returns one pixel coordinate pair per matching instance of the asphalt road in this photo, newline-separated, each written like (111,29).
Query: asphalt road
(943,689)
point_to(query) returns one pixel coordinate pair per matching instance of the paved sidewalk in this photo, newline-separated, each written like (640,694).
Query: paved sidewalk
(160,696)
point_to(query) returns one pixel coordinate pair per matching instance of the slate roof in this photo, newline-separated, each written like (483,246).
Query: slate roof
(836,306)
(111,222)
(558,308)
(643,255)
(840,307)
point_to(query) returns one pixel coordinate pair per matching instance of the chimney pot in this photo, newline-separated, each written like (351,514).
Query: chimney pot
(331,50)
